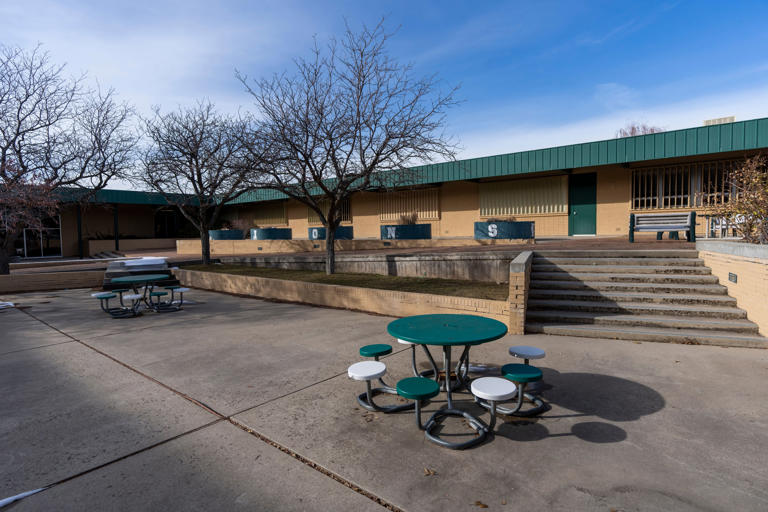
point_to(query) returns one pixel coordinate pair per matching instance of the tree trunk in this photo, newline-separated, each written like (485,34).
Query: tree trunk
(5,261)
(205,243)
(330,249)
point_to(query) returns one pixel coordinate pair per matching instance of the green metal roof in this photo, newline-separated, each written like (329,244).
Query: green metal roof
(112,196)
(699,141)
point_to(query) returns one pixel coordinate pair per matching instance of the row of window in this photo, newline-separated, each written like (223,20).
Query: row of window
(682,186)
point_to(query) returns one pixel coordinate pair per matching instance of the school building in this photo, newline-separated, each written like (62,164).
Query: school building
(579,189)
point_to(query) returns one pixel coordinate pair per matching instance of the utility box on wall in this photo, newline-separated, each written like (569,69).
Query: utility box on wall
(406,232)
(225,234)
(271,234)
(342,233)
(504,230)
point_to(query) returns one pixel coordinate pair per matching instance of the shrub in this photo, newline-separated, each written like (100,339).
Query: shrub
(410,218)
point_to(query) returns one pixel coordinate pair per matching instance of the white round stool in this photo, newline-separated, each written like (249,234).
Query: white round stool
(493,389)
(527,353)
(368,371)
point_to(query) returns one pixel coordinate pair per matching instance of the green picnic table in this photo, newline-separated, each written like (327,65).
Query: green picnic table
(449,331)
(148,280)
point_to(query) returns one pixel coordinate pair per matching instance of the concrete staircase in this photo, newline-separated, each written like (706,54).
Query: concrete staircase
(643,295)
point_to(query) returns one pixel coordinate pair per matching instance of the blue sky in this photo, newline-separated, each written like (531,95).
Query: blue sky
(533,74)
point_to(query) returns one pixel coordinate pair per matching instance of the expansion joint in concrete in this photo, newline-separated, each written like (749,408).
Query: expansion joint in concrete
(317,467)
(220,417)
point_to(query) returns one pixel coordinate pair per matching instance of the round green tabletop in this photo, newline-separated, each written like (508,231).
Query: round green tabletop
(141,278)
(447,329)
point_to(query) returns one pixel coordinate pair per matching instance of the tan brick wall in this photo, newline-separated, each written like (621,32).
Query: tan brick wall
(613,201)
(751,288)
(50,281)
(459,210)
(384,302)
(519,284)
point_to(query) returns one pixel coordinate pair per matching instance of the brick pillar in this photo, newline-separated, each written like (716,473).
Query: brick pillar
(519,283)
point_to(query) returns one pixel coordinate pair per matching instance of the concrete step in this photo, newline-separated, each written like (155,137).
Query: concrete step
(612,296)
(624,278)
(609,253)
(621,269)
(686,336)
(613,319)
(688,262)
(698,289)
(638,308)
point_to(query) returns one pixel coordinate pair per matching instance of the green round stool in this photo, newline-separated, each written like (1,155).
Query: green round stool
(521,375)
(376,350)
(418,389)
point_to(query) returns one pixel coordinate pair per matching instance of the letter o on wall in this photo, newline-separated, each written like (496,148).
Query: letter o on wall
(314,234)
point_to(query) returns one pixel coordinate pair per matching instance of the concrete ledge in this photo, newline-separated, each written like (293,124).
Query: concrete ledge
(371,300)
(240,247)
(473,266)
(522,263)
(733,248)
(38,282)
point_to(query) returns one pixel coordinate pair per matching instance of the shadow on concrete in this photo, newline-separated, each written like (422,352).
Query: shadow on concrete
(589,431)
(605,396)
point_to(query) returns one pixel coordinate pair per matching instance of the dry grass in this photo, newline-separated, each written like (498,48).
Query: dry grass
(452,287)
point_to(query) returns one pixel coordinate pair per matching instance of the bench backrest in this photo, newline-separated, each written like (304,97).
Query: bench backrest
(663,219)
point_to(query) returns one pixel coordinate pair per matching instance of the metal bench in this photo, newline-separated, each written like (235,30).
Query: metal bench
(661,222)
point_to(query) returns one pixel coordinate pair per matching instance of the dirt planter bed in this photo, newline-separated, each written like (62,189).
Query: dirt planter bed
(373,300)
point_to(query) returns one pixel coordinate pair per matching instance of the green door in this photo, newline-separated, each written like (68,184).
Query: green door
(582,199)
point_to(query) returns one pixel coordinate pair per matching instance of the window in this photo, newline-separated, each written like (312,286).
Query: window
(715,188)
(424,202)
(524,197)
(270,214)
(346,212)
(681,186)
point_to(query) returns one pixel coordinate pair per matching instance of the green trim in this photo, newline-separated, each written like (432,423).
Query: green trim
(699,141)
(111,196)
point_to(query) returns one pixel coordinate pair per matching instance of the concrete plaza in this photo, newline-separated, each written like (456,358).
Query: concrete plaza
(242,404)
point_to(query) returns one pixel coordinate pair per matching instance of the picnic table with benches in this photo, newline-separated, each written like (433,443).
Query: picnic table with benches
(447,331)
(143,296)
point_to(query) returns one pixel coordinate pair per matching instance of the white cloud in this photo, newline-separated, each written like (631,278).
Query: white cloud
(613,96)
(744,104)
(160,53)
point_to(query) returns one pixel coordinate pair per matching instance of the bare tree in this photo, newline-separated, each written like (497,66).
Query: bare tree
(196,160)
(25,201)
(635,128)
(747,206)
(54,135)
(350,119)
